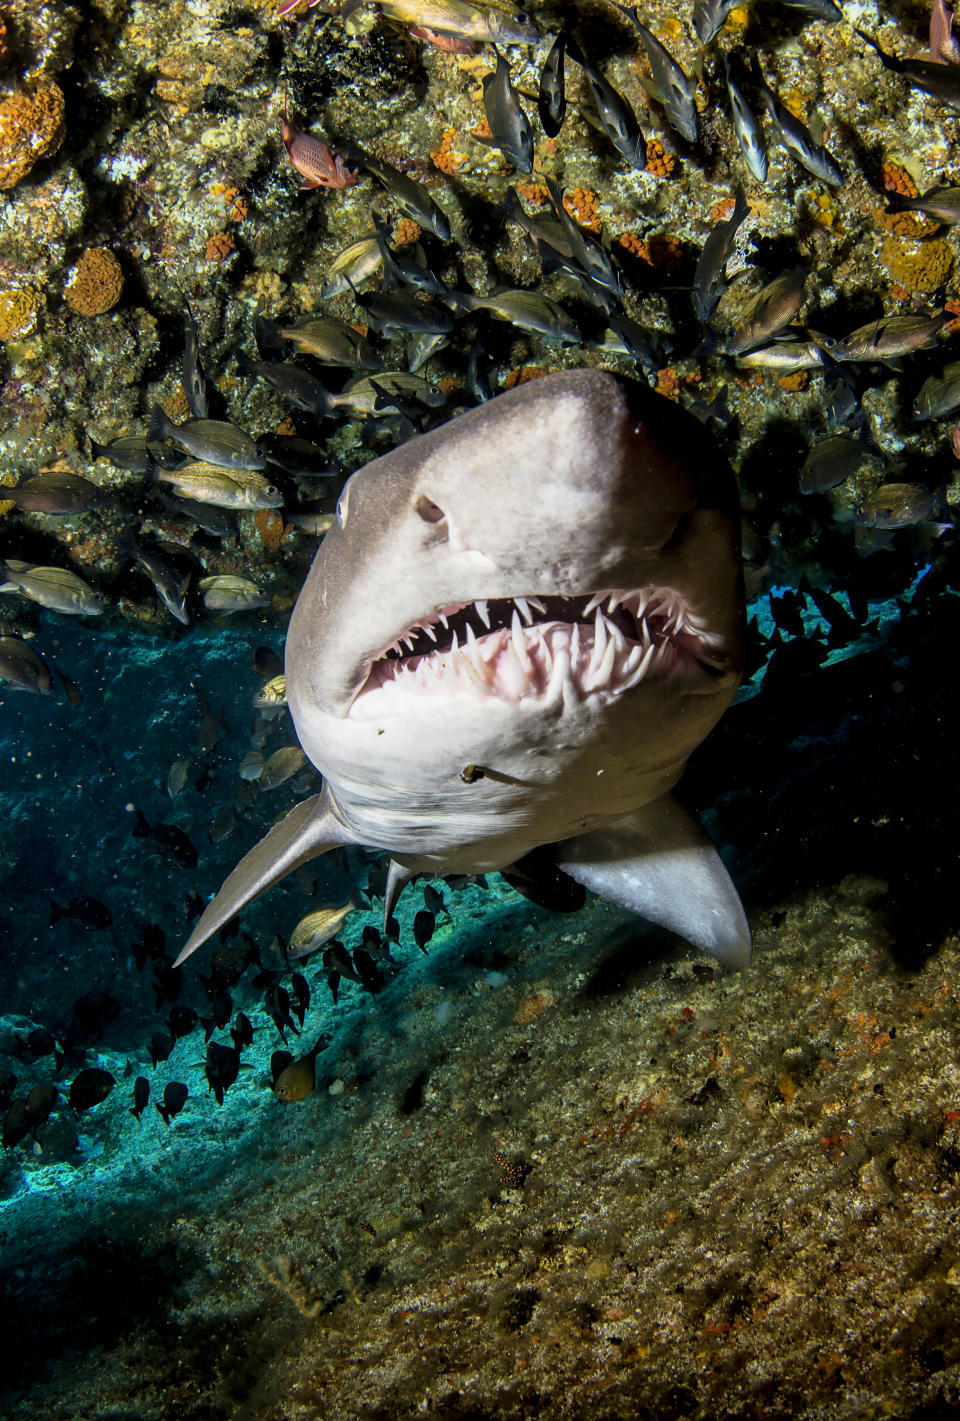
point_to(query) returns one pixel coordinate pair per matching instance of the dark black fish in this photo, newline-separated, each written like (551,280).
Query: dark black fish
(88,911)
(593,259)
(222,1068)
(398,311)
(242,1031)
(369,974)
(170,840)
(709,17)
(16,1126)
(56,494)
(174,1099)
(829,463)
(90,1087)
(151,945)
(39,1103)
(509,125)
(336,958)
(277,1004)
(167,982)
(182,1020)
(843,627)
(170,582)
(433,900)
(8,1084)
(551,95)
(787,613)
(161,1044)
(95,1011)
(38,1043)
(300,1001)
(141,1096)
(424,926)
(221,1010)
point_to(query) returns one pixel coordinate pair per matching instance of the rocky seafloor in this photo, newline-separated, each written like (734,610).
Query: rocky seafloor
(558,1165)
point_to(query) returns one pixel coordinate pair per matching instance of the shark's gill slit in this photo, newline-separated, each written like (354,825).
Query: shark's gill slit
(518,647)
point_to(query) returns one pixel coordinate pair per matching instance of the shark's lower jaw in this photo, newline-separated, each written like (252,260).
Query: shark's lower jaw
(539,649)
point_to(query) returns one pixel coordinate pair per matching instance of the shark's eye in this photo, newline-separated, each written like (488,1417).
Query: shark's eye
(429,511)
(343,503)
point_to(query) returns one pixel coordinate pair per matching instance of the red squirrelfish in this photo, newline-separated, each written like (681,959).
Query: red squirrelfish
(312,159)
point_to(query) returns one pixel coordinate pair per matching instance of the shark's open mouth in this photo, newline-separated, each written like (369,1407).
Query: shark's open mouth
(516,648)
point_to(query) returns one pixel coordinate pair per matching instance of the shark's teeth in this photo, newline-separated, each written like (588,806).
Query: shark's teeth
(530,648)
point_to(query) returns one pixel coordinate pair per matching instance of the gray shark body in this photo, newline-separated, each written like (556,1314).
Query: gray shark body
(518,629)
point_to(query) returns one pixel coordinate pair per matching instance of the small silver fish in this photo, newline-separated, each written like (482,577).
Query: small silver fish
(799,141)
(746,126)
(51,587)
(527,310)
(708,279)
(352,267)
(771,310)
(194,385)
(226,593)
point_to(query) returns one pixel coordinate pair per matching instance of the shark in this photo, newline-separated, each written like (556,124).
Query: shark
(515,633)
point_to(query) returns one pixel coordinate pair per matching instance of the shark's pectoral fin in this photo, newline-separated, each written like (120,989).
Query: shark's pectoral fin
(309,830)
(397,879)
(659,862)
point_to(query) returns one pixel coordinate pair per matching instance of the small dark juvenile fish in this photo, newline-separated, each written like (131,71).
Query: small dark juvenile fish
(161,1044)
(708,279)
(95,1011)
(942,204)
(617,119)
(675,89)
(843,627)
(174,1099)
(91,1087)
(411,197)
(300,457)
(182,1020)
(88,911)
(746,126)
(940,81)
(424,926)
(407,270)
(829,463)
(191,378)
(242,1031)
(141,1096)
(624,336)
(551,94)
(24,668)
(221,1068)
(56,493)
(39,1103)
(313,160)
(799,141)
(509,125)
(298,387)
(171,841)
(896,506)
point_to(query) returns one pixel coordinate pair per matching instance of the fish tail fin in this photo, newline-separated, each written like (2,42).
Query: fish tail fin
(267,333)
(141,829)
(161,426)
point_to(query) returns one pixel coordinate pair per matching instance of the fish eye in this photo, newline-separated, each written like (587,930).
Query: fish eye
(429,511)
(521,17)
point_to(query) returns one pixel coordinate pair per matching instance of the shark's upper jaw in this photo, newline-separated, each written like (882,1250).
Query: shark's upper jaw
(541,649)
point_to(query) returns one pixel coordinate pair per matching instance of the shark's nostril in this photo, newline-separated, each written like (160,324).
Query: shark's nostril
(429,511)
